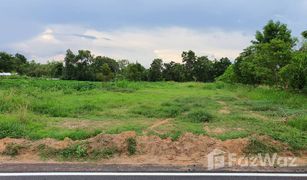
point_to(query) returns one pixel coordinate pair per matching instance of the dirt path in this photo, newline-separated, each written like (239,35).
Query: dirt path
(155,125)
(158,123)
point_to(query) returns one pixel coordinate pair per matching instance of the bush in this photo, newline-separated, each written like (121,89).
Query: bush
(257,146)
(78,151)
(104,153)
(229,75)
(131,142)
(12,149)
(199,116)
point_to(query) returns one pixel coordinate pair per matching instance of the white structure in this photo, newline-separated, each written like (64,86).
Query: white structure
(5,74)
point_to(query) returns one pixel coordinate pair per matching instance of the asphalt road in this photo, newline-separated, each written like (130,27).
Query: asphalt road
(73,171)
(88,167)
(151,176)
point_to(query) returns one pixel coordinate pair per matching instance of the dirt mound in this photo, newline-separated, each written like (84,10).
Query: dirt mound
(110,140)
(189,149)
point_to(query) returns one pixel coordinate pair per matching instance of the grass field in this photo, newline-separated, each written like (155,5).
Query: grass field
(38,108)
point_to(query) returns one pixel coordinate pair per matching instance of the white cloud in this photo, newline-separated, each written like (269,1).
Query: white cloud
(135,44)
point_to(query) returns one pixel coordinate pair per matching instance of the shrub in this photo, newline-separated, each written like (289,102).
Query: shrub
(229,75)
(78,151)
(257,146)
(12,149)
(199,116)
(131,146)
(104,153)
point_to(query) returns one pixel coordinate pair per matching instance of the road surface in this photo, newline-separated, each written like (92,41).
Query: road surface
(78,171)
(151,176)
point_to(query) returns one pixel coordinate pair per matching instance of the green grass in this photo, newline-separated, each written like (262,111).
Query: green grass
(40,108)
(256,146)
(76,152)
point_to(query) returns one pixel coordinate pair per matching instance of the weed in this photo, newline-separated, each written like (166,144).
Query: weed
(104,153)
(12,149)
(12,129)
(131,145)
(23,115)
(299,123)
(78,152)
(257,146)
(232,135)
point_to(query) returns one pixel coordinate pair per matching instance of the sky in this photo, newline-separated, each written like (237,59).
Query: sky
(140,30)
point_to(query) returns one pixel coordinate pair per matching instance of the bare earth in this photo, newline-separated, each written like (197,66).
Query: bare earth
(188,151)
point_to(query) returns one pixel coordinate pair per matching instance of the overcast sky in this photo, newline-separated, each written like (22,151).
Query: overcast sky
(140,30)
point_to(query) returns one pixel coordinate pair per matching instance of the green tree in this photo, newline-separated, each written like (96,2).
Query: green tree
(105,73)
(203,69)
(272,50)
(69,70)
(56,69)
(304,34)
(155,70)
(99,61)
(6,62)
(173,72)
(220,66)
(304,42)
(229,76)
(82,62)
(189,60)
(135,72)
(294,75)
(274,30)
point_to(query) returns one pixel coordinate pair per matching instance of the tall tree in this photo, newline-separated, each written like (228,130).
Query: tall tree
(6,62)
(220,66)
(189,59)
(155,70)
(203,69)
(274,30)
(69,70)
(271,51)
(135,72)
(173,72)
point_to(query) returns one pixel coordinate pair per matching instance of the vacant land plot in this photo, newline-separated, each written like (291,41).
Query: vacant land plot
(35,109)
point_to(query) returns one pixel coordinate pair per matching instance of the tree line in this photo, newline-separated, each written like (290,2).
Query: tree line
(84,66)
(274,58)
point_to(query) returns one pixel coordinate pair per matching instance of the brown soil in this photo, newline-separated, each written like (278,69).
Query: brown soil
(189,149)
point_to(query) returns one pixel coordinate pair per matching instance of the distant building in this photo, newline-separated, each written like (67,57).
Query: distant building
(5,74)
